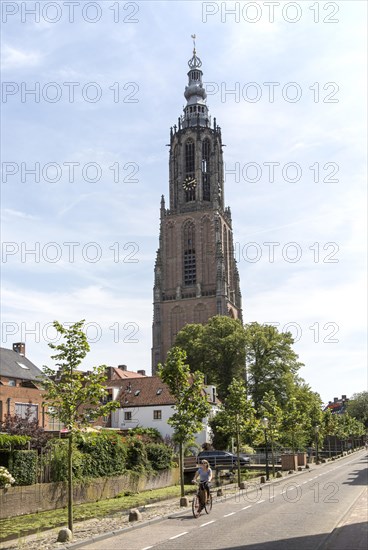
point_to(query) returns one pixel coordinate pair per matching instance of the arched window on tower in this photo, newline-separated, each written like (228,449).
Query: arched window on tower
(206,187)
(190,193)
(189,275)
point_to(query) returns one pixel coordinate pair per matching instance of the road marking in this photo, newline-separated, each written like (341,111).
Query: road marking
(304,482)
(259,502)
(204,524)
(147,547)
(177,536)
(231,514)
(246,507)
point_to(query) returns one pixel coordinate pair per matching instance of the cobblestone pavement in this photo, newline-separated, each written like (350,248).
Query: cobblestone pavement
(84,530)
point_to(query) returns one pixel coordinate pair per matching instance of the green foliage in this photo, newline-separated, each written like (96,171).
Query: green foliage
(8,441)
(357,407)
(24,467)
(191,402)
(75,396)
(58,460)
(149,434)
(159,455)
(191,405)
(104,454)
(137,459)
(271,363)
(216,349)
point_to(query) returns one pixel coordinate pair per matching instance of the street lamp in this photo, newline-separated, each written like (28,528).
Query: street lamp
(264,423)
(316,430)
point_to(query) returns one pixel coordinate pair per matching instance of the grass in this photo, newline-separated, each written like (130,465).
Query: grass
(34,523)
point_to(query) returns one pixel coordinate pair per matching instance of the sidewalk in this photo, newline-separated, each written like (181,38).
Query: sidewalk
(352,531)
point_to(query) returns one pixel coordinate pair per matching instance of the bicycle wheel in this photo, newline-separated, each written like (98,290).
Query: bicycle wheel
(196,506)
(208,505)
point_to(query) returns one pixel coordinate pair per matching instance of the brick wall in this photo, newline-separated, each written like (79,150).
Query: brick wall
(30,499)
(9,395)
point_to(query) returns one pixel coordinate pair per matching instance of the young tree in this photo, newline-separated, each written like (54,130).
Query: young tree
(270,410)
(191,405)
(238,418)
(75,396)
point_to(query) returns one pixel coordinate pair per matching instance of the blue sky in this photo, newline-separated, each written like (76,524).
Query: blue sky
(313,219)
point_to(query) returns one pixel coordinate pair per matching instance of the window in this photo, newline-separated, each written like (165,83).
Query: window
(205,167)
(23,366)
(189,255)
(127,415)
(27,411)
(11,382)
(190,167)
(157,415)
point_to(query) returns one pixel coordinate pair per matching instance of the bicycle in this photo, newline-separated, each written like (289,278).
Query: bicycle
(199,500)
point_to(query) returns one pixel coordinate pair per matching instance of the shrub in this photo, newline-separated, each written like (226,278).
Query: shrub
(6,479)
(24,468)
(149,435)
(104,454)
(137,456)
(58,460)
(159,455)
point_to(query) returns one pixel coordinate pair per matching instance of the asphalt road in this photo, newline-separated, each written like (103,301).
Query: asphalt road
(297,513)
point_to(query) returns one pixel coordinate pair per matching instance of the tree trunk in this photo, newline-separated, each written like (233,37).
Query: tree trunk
(70,482)
(273,458)
(181,468)
(238,452)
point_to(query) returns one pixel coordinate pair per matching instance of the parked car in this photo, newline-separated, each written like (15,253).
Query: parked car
(222,458)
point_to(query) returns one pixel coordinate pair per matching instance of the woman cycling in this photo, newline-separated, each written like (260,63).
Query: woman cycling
(205,475)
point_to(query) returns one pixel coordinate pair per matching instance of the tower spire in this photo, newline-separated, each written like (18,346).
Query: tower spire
(196,110)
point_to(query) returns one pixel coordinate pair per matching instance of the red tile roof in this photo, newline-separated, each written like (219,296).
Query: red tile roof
(144,392)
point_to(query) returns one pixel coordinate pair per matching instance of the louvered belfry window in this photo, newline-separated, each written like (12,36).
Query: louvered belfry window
(189,255)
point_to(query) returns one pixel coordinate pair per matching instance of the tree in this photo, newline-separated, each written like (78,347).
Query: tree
(270,410)
(75,396)
(357,407)
(238,418)
(271,363)
(191,405)
(216,349)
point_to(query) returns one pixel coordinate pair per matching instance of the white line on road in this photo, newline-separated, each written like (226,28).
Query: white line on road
(304,482)
(208,522)
(259,502)
(231,514)
(147,547)
(177,536)
(246,507)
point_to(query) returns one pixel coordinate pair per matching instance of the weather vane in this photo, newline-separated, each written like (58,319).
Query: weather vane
(194,44)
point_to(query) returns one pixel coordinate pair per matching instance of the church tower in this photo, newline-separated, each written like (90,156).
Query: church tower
(195,271)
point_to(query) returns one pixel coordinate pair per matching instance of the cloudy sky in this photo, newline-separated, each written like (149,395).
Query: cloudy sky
(90,90)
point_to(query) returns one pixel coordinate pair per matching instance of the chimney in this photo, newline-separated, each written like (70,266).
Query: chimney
(336,399)
(142,372)
(343,397)
(122,367)
(20,348)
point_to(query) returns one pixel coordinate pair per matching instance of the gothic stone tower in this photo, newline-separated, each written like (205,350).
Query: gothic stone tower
(195,271)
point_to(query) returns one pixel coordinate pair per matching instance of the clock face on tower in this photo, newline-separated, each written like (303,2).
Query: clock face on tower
(189,183)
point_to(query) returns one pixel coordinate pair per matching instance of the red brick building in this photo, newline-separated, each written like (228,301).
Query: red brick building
(20,385)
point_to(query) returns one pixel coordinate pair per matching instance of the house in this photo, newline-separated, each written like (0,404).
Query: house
(20,386)
(337,406)
(147,402)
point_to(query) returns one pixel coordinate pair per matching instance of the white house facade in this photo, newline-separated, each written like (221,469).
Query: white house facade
(147,403)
